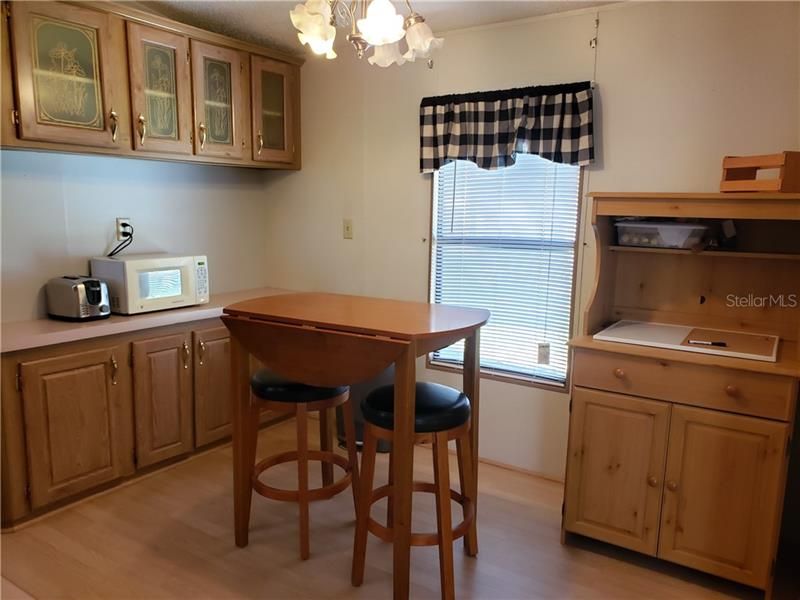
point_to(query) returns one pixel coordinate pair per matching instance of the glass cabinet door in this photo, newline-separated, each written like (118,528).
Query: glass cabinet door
(274,91)
(66,91)
(160,90)
(218,101)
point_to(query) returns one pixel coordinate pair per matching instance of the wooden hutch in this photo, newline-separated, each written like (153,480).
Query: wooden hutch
(674,454)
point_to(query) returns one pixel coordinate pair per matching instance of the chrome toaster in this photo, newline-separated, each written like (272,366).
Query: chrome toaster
(77,298)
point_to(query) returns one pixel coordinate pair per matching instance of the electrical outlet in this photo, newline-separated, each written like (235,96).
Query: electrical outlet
(120,229)
(347,229)
(544,354)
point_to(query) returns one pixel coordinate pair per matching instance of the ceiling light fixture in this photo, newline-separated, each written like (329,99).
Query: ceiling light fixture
(373,24)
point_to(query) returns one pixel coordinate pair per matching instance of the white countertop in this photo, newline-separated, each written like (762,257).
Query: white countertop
(23,335)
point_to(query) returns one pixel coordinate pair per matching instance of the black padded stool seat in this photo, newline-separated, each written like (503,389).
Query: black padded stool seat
(269,386)
(438,408)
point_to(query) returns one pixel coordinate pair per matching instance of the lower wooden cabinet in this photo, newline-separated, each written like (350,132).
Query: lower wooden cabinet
(616,462)
(212,385)
(162,390)
(695,486)
(723,477)
(76,409)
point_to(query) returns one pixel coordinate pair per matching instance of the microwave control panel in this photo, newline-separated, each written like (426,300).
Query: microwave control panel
(201,269)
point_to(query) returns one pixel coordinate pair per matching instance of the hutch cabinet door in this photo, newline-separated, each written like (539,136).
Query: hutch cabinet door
(219,102)
(161,90)
(212,383)
(617,450)
(724,482)
(76,408)
(274,92)
(71,75)
(162,391)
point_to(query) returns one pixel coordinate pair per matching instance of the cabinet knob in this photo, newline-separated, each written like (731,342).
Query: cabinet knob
(672,485)
(652,481)
(732,391)
(619,373)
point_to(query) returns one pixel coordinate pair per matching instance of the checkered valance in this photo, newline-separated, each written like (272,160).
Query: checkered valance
(490,128)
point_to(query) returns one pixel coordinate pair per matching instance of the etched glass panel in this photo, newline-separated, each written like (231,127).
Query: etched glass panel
(218,109)
(272,116)
(161,102)
(66,74)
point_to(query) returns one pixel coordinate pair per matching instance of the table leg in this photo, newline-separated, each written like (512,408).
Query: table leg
(472,379)
(405,378)
(245,435)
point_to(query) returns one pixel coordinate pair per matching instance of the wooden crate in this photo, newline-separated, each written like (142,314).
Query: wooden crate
(739,173)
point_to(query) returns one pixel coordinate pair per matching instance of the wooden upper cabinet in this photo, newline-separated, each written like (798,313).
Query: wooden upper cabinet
(161,90)
(617,450)
(71,76)
(212,384)
(162,390)
(274,87)
(724,473)
(77,410)
(221,105)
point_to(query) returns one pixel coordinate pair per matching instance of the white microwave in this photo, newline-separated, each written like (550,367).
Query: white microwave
(139,283)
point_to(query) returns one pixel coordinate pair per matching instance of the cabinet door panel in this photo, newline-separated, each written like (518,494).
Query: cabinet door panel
(70,85)
(162,398)
(220,110)
(74,423)
(724,479)
(274,89)
(212,384)
(160,90)
(615,466)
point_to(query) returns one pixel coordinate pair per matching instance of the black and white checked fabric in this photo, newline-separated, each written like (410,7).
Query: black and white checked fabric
(490,128)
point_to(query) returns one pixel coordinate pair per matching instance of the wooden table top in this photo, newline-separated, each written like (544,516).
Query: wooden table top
(360,314)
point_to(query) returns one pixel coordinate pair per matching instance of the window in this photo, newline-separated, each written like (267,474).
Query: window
(504,240)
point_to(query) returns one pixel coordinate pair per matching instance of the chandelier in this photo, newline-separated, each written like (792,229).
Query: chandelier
(373,24)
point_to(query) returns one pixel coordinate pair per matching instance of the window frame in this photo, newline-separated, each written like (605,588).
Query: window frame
(502,376)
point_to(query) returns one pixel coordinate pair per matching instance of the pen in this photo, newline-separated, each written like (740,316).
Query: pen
(705,343)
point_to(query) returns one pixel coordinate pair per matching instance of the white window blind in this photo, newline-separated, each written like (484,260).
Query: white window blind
(504,240)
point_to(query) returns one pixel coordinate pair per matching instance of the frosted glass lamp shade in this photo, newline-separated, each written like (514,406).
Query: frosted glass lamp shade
(386,55)
(383,25)
(313,21)
(421,42)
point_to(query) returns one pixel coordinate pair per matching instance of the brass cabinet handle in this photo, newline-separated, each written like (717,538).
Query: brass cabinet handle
(202,129)
(186,354)
(114,369)
(113,117)
(201,353)
(142,129)
(732,391)
(619,373)
(652,481)
(672,485)
(260,143)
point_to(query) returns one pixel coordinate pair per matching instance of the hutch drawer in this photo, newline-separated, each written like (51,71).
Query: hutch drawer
(743,392)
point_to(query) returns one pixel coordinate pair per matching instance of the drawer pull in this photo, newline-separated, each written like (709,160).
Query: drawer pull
(652,481)
(201,354)
(619,373)
(186,355)
(114,369)
(732,391)
(672,485)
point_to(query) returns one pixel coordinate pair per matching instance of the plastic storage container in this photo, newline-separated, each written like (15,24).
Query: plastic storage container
(659,235)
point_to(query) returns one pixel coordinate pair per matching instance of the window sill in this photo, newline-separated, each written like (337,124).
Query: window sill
(561,388)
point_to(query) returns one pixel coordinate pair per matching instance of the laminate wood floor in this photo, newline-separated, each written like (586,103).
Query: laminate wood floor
(170,535)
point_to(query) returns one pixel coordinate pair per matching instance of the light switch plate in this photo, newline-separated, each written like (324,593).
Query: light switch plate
(347,229)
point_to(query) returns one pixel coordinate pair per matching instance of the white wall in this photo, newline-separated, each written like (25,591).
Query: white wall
(679,86)
(58,210)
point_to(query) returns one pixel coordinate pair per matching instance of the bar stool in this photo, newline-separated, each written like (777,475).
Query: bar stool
(275,393)
(441,414)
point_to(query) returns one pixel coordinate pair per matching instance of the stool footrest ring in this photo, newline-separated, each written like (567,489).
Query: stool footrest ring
(320,493)
(421,539)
